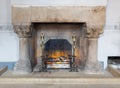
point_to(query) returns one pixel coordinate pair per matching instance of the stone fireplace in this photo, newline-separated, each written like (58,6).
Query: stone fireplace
(58,24)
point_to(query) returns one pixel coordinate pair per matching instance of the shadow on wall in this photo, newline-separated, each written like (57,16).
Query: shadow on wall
(9,64)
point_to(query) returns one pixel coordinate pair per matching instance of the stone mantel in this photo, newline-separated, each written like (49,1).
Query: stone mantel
(93,16)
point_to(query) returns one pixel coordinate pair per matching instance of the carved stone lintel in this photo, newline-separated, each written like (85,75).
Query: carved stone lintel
(23,30)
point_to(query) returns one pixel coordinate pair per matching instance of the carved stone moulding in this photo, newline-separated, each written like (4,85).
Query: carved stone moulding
(23,31)
(93,31)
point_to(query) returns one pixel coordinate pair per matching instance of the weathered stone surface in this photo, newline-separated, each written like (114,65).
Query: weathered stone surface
(24,33)
(23,30)
(68,14)
(93,32)
(92,64)
(93,16)
(21,15)
(23,65)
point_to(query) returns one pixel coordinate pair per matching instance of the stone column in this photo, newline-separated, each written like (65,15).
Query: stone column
(92,64)
(24,33)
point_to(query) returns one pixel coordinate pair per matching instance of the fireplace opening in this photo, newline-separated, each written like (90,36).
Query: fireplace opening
(60,45)
(58,51)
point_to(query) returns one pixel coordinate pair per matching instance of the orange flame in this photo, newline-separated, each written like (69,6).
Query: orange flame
(57,54)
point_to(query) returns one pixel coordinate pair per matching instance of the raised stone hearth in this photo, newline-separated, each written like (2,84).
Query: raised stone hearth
(58,22)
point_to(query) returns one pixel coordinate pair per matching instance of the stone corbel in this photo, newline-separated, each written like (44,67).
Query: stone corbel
(93,32)
(23,31)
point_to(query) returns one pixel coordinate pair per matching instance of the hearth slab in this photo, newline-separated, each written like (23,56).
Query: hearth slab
(57,74)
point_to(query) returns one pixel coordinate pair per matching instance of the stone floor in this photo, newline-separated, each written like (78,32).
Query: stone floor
(60,86)
(58,79)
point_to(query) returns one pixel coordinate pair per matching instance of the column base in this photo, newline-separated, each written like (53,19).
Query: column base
(23,67)
(93,67)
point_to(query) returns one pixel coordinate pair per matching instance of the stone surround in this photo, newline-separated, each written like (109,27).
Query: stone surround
(23,17)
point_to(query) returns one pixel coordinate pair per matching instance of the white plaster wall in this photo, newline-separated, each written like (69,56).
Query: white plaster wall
(59,2)
(5,9)
(109,42)
(8,39)
(8,47)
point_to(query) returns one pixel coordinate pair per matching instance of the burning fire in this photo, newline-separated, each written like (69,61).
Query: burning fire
(58,59)
(57,54)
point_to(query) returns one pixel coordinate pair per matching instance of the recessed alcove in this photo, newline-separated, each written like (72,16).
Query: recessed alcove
(58,43)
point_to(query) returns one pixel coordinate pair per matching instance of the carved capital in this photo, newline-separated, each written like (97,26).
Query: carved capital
(23,30)
(93,32)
